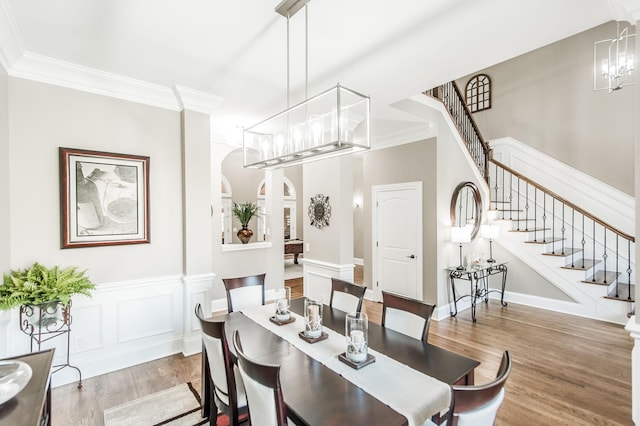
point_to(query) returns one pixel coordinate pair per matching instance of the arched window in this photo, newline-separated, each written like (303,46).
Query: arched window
(478,94)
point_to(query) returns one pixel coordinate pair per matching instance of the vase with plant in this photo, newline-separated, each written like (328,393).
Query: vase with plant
(244,212)
(43,294)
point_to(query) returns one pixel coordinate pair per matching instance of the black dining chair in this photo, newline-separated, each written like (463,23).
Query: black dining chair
(227,389)
(405,315)
(346,296)
(264,392)
(477,405)
(244,292)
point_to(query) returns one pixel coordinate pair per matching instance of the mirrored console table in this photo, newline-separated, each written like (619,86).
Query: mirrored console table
(478,278)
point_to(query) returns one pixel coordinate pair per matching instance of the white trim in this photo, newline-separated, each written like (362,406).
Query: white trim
(358,261)
(11,47)
(404,136)
(248,246)
(604,201)
(196,100)
(60,73)
(634,330)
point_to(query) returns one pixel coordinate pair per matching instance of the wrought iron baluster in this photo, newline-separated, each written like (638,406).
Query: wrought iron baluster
(629,268)
(544,217)
(526,207)
(562,230)
(573,231)
(518,202)
(583,242)
(604,253)
(535,214)
(593,240)
(553,225)
(617,261)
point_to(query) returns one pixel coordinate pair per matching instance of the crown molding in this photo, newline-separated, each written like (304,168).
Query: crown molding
(11,45)
(60,73)
(404,136)
(196,100)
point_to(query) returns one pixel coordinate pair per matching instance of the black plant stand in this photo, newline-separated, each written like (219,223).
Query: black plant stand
(47,321)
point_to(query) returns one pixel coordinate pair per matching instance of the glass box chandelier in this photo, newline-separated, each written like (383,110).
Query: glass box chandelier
(331,123)
(613,61)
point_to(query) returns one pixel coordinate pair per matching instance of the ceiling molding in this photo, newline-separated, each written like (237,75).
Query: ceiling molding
(404,136)
(195,100)
(53,71)
(11,45)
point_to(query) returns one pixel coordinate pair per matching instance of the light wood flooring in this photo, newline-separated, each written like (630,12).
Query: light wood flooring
(567,370)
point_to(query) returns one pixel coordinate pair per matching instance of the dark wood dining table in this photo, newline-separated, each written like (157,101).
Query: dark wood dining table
(315,394)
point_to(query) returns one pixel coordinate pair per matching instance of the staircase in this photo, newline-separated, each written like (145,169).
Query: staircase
(586,258)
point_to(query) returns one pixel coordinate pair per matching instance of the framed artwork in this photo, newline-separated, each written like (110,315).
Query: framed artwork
(319,211)
(104,198)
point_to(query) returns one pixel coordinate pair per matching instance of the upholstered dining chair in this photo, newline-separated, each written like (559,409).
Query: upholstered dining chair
(244,292)
(227,389)
(405,315)
(477,405)
(264,392)
(346,296)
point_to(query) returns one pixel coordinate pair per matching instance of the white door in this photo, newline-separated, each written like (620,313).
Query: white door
(397,239)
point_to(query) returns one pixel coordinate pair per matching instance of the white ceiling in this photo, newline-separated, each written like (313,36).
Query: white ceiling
(236,50)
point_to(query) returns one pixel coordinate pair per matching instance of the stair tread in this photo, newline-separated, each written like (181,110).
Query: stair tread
(582,264)
(529,230)
(568,251)
(546,241)
(623,291)
(600,279)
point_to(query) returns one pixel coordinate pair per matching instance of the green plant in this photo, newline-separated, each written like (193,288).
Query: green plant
(244,212)
(39,284)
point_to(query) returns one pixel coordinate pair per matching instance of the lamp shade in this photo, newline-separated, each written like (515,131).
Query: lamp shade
(460,234)
(491,232)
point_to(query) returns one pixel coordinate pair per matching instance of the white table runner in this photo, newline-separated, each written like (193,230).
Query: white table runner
(410,392)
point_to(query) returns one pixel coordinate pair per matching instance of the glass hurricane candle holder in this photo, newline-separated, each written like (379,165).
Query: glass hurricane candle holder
(313,318)
(356,333)
(283,302)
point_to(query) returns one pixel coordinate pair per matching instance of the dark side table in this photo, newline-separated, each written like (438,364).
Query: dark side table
(32,406)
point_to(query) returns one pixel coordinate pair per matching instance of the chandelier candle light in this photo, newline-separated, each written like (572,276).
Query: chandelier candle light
(331,123)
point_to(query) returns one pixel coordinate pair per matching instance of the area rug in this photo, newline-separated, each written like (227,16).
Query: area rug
(291,270)
(176,406)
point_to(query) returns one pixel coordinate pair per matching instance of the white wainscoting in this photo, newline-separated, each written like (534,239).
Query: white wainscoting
(121,325)
(317,277)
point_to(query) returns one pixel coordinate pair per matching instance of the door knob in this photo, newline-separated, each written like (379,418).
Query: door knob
(411,257)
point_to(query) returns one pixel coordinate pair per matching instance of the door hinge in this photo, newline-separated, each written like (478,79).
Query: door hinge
(376,244)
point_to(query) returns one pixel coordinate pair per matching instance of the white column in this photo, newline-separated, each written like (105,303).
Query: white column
(633,326)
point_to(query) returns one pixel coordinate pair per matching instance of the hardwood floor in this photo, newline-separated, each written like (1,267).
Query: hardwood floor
(566,370)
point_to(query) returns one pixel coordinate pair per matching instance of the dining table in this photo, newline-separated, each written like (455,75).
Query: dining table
(319,390)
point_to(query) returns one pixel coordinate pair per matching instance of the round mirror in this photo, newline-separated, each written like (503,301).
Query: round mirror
(466,207)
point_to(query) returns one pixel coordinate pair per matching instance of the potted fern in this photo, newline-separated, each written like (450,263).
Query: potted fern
(43,293)
(244,212)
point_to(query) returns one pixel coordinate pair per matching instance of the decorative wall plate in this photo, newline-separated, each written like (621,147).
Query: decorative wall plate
(319,211)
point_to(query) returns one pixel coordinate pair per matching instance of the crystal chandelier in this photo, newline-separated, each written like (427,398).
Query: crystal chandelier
(613,61)
(331,123)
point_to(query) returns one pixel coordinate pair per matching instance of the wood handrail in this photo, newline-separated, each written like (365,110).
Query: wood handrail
(484,143)
(564,201)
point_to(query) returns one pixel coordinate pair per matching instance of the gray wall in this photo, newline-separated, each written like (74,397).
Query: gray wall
(545,99)
(44,117)
(405,163)
(5,175)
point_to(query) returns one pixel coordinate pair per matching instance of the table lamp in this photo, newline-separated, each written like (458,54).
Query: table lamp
(460,235)
(491,232)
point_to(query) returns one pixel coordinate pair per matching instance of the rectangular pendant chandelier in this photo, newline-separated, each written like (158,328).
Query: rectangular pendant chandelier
(613,61)
(331,123)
